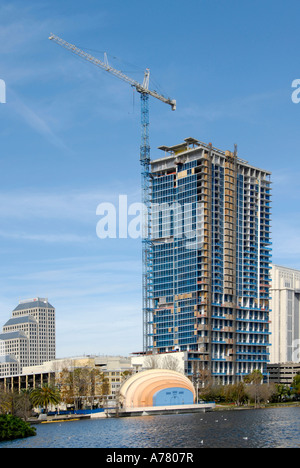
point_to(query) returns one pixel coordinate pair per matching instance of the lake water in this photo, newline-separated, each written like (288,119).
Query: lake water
(261,428)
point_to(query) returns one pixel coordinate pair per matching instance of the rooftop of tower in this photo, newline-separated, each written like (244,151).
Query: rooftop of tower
(37,302)
(190,146)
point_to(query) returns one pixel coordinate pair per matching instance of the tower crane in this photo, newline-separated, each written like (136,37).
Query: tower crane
(145,92)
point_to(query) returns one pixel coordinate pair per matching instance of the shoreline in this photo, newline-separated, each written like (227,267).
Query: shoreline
(142,412)
(220,407)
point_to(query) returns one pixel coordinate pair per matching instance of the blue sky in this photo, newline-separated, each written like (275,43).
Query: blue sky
(70,137)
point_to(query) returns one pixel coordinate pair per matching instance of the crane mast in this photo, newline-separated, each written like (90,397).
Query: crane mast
(145,92)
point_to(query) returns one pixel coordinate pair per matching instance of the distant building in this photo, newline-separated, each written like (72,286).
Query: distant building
(283,373)
(115,369)
(28,337)
(285,315)
(9,365)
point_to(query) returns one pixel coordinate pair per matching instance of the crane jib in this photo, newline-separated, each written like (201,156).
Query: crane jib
(140,88)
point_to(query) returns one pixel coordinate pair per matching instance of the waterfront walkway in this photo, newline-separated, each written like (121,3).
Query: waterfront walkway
(125,412)
(154,410)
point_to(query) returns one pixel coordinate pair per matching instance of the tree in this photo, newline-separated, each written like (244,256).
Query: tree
(171,363)
(256,390)
(212,392)
(82,384)
(45,396)
(5,405)
(296,385)
(25,405)
(15,403)
(254,383)
(281,392)
(254,378)
(12,427)
(235,393)
(152,362)
(157,362)
(81,381)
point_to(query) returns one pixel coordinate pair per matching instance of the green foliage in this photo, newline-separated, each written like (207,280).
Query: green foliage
(255,377)
(15,403)
(44,396)
(12,427)
(241,393)
(296,384)
(224,393)
(281,393)
(82,384)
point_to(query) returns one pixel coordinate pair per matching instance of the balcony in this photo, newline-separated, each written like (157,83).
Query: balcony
(223,358)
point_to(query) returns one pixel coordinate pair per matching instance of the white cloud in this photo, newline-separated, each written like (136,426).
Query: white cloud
(49,238)
(244,108)
(56,204)
(18,28)
(38,123)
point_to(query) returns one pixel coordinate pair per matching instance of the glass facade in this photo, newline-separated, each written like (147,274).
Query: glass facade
(211,253)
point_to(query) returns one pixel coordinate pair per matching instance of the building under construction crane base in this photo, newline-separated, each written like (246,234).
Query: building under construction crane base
(210,261)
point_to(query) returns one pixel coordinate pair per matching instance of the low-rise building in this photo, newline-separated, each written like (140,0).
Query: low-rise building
(115,370)
(283,373)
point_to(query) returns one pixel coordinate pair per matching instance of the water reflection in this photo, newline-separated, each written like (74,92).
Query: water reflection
(265,428)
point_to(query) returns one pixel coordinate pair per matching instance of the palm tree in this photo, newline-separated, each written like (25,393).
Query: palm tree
(43,396)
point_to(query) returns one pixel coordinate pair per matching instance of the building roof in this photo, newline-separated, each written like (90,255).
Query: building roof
(12,336)
(8,358)
(20,320)
(190,147)
(37,303)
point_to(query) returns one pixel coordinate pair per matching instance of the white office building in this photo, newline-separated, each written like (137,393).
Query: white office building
(28,337)
(285,315)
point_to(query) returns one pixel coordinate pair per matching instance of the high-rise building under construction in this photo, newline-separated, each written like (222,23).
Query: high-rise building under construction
(209,268)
